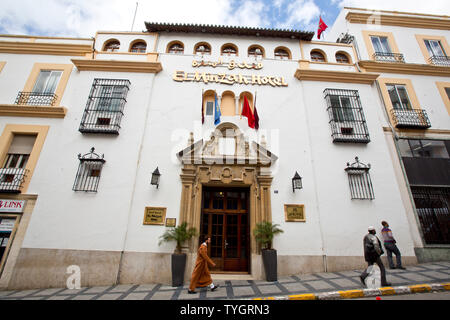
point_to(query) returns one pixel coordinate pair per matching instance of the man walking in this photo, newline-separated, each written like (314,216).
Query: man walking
(391,247)
(201,276)
(372,254)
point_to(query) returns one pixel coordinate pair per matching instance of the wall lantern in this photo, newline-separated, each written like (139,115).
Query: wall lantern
(155,178)
(296,182)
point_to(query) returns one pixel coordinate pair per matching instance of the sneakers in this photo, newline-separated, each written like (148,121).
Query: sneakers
(192,291)
(214,288)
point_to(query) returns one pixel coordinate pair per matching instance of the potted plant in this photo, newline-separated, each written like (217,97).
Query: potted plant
(264,233)
(180,235)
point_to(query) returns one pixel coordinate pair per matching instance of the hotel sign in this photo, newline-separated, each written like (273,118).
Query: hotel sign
(155,215)
(230,79)
(15,206)
(294,213)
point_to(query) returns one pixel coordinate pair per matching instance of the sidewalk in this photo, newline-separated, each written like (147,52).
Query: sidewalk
(331,285)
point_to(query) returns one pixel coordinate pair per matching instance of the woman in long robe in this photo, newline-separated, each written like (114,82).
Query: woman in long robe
(201,277)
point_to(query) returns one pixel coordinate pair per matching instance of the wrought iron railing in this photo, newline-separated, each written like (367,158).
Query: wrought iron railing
(440,60)
(11,179)
(36,98)
(104,108)
(388,57)
(347,121)
(414,118)
(433,210)
(359,180)
(89,171)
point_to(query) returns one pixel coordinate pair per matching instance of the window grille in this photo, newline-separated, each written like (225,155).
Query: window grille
(104,108)
(359,180)
(89,171)
(347,120)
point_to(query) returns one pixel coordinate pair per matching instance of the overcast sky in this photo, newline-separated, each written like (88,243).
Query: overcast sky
(82,18)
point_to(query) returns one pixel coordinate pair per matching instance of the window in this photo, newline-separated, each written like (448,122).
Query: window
(89,170)
(282,54)
(13,171)
(104,108)
(342,58)
(347,119)
(139,47)
(229,50)
(399,97)
(112,46)
(423,148)
(359,180)
(43,91)
(255,51)
(209,108)
(380,44)
(317,56)
(202,48)
(47,81)
(434,48)
(176,48)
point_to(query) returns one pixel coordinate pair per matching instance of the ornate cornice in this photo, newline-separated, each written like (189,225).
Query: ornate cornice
(117,65)
(59,49)
(406,68)
(335,76)
(14,110)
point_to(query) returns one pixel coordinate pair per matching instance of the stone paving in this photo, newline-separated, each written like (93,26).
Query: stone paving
(436,272)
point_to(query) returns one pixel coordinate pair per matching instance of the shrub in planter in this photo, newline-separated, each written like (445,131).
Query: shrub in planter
(264,233)
(180,235)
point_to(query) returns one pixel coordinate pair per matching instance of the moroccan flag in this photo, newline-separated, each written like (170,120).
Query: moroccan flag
(255,114)
(217,112)
(247,112)
(322,27)
(203,114)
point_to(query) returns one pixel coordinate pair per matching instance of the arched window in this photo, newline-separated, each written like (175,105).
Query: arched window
(282,54)
(138,46)
(228,104)
(175,48)
(208,103)
(112,46)
(342,57)
(202,48)
(256,51)
(317,56)
(229,50)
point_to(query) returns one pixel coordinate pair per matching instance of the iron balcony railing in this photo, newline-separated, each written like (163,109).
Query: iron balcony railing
(414,118)
(11,179)
(105,105)
(359,180)
(388,57)
(36,98)
(347,121)
(89,171)
(439,60)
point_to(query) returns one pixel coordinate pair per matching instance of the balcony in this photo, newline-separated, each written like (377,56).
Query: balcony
(36,98)
(11,179)
(440,61)
(388,57)
(414,118)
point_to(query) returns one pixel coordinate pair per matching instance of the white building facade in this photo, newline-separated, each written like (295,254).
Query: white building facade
(85,123)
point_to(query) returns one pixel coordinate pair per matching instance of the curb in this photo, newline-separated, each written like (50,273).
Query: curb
(362,293)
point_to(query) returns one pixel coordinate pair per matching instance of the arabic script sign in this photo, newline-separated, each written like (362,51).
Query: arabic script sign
(231,79)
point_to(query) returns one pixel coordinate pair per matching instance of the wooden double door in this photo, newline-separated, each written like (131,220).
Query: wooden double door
(225,220)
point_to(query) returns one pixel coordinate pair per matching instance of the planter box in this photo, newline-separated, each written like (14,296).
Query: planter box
(270,264)
(178,268)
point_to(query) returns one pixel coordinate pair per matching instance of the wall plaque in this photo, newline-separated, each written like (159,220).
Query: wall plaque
(155,215)
(294,213)
(171,222)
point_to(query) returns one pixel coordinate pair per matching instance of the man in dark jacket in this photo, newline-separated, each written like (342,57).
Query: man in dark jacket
(372,253)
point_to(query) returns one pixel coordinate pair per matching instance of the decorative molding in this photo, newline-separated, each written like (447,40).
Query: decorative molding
(59,49)
(117,65)
(2,64)
(405,68)
(396,20)
(335,76)
(14,110)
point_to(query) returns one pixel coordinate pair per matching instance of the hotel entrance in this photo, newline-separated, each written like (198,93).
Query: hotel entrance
(225,219)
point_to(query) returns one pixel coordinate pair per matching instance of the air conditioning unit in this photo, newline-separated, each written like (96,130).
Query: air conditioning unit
(11,179)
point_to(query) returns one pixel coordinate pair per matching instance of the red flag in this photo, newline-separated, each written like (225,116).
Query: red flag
(322,27)
(247,112)
(255,114)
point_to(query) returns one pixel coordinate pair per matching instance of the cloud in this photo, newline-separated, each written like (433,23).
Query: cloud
(300,15)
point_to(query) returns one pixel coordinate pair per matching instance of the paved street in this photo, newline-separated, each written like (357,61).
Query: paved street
(427,273)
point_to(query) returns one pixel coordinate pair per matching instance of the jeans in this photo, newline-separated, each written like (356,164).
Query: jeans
(392,248)
(383,271)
